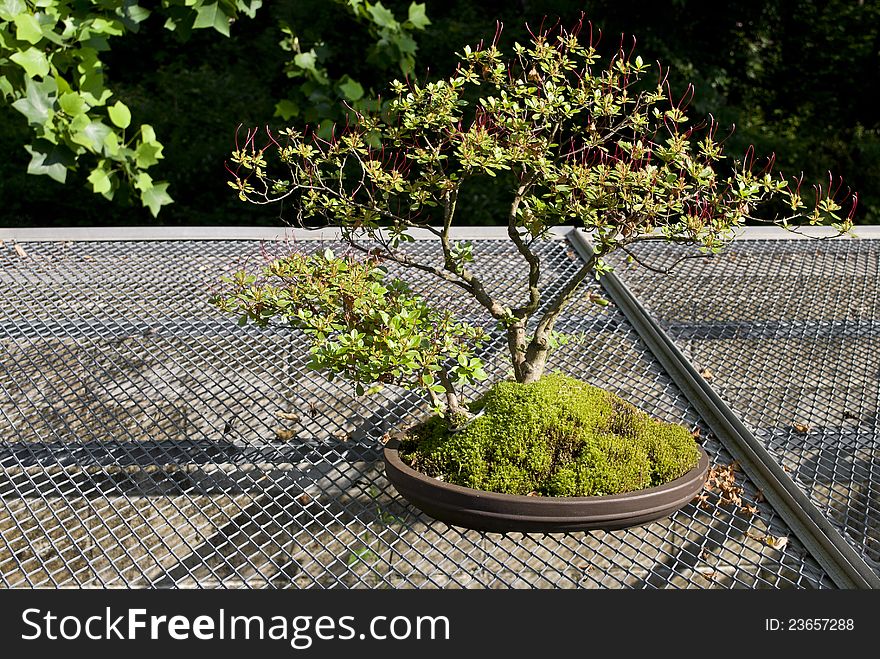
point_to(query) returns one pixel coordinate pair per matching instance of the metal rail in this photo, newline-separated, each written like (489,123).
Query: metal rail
(828,547)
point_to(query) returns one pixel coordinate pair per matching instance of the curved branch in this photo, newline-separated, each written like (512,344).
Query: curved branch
(531,258)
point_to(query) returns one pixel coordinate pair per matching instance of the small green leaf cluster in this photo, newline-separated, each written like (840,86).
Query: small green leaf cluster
(554,437)
(317,97)
(362,326)
(51,72)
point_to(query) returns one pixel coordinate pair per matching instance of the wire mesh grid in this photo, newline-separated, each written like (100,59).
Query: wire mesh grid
(788,334)
(149,441)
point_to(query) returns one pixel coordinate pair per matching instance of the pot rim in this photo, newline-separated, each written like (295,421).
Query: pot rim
(392,455)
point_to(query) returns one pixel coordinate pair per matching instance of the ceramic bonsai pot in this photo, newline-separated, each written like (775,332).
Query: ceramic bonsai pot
(490,511)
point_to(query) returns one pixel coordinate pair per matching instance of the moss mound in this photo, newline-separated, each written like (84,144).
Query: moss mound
(556,437)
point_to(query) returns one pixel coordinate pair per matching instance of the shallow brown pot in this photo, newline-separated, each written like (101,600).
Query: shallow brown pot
(490,511)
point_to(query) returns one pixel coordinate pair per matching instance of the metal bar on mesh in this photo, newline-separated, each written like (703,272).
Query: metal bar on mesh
(831,550)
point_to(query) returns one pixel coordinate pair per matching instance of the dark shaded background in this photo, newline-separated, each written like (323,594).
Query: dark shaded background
(794,76)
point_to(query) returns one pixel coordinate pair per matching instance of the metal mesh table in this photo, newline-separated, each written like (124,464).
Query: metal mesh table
(149,441)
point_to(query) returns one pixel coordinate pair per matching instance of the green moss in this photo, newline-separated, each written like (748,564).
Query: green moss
(556,437)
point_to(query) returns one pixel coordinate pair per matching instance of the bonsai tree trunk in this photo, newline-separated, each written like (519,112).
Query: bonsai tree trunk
(530,360)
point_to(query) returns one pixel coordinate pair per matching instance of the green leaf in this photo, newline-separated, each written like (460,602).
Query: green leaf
(417,16)
(93,136)
(405,44)
(134,13)
(79,123)
(306,61)
(100,180)
(9,9)
(120,115)
(382,16)
(73,104)
(250,9)
(27,28)
(147,154)
(103,26)
(148,135)
(286,109)
(155,197)
(91,84)
(49,159)
(351,89)
(33,61)
(37,102)
(212,16)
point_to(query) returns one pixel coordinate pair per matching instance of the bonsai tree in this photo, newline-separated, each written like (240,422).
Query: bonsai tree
(598,142)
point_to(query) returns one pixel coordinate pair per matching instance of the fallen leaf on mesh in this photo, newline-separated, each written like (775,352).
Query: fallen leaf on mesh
(341,436)
(759,496)
(802,428)
(385,438)
(696,432)
(707,374)
(284,434)
(20,250)
(304,498)
(776,542)
(287,416)
(721,480)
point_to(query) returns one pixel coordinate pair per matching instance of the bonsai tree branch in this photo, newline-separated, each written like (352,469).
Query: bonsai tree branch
(516,331)
(663,271)
(403,259)
(538,348)
(531,258)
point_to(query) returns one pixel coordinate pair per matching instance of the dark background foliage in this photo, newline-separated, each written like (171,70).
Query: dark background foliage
(795,76)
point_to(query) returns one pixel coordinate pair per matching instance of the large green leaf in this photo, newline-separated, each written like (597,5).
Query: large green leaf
(93,136)
(37,102)
(9,9)
(33,61)
(147,154)
(49,159)
(212,16)
(27,28)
